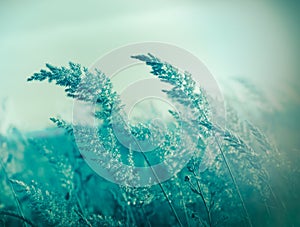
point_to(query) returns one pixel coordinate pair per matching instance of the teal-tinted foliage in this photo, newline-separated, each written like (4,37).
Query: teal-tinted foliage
(228,181)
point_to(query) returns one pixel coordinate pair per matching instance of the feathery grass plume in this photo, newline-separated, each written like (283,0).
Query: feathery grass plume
(213,189)
(234,150)
(63,124)
(97,89)
(53,209)
(184,87)
(47,206)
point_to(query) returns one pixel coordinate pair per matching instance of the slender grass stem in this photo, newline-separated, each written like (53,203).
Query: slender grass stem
(184,209)
(20,211)
(162,189)
(204,202)
(158,181)
(147,219)
(234,181)
(25,220)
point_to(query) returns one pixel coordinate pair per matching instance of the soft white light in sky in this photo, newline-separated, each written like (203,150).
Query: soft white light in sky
(236,39)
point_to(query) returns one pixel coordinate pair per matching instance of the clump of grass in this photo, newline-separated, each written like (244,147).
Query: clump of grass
(225,172)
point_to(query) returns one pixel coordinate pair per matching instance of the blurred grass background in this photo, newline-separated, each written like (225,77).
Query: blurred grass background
(251,47)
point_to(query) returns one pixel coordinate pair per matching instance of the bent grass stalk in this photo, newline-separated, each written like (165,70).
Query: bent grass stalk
(64,77)
(20,211)
(159,183)
(234,182)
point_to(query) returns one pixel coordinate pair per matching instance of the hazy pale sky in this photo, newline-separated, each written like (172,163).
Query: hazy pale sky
(252,41)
